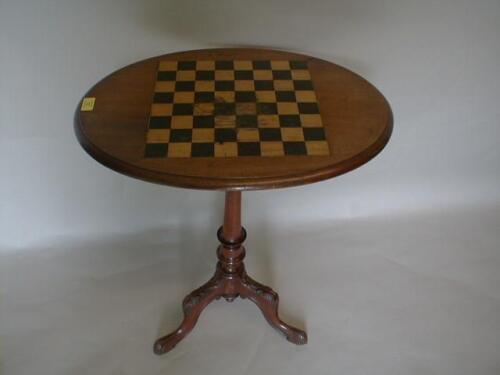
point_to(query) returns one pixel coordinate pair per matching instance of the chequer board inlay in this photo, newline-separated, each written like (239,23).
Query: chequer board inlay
(231,108)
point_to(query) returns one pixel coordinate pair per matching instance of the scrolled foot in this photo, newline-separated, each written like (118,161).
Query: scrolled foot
(193,305)
(296,336)
(268,300)
(167,343)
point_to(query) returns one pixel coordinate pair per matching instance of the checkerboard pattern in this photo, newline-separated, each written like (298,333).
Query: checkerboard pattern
(231,108)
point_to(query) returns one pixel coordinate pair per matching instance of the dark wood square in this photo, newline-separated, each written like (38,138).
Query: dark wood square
(225,135)
(261,65)
(270,134)
(184,86)
(290,121)
(246,121)
(166,76)
(314,134)
(202,149)
(267,108)
(295,148)
(156,150)
(249,148)
(308,108)
(159,122)
(163,97)
(243,74)
(180,135)
(224,109)
(180,109)
(285,96)
(203,121)
(263,85)
(205,75)
(302,85)
(296,64)
(204,97)
(282,74)
(245,96)
(224,85)
(186,65)
(224,65)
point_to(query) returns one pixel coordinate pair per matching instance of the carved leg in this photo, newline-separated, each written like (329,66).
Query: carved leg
(267,300)
(193,305)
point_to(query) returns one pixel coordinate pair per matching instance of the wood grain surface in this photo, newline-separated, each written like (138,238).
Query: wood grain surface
(356,117)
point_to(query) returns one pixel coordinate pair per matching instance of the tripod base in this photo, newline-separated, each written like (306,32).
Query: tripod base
(229,287)
(230,281)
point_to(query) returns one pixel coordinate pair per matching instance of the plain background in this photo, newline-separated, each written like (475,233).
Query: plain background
(392,268)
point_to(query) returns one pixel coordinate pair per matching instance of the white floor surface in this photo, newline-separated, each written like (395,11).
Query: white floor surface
(415,294)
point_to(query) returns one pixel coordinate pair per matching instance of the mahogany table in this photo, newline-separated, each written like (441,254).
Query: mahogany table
(233,120)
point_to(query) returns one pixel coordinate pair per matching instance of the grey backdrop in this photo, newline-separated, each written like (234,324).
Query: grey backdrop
(75,236)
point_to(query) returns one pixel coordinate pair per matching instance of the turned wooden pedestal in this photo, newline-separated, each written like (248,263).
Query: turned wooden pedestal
(230,281)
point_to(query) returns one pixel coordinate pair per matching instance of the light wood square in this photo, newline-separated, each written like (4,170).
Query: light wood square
(283,85)
(244,85)
(165,86)
(271,149)
(280,65)
(204,109)
(182,122)
(161,109)
(225,121)
(167,65)
(226,149)
(203,135)
(158,136)
(301,74)
(262,75)
(224,96)
(246,109)
(317,148)
(224,75)
(292,134)
(184,97)
(285,108)
(268,121)
(305,96)
(311,121)
(185,75)
(205,65)
(243,65)
(266,96)
(179,150)
(204,86)
(248,135)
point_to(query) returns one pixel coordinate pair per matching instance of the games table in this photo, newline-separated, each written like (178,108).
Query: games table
(233,120)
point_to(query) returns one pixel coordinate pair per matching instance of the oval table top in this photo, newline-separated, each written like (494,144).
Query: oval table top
(233,119)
